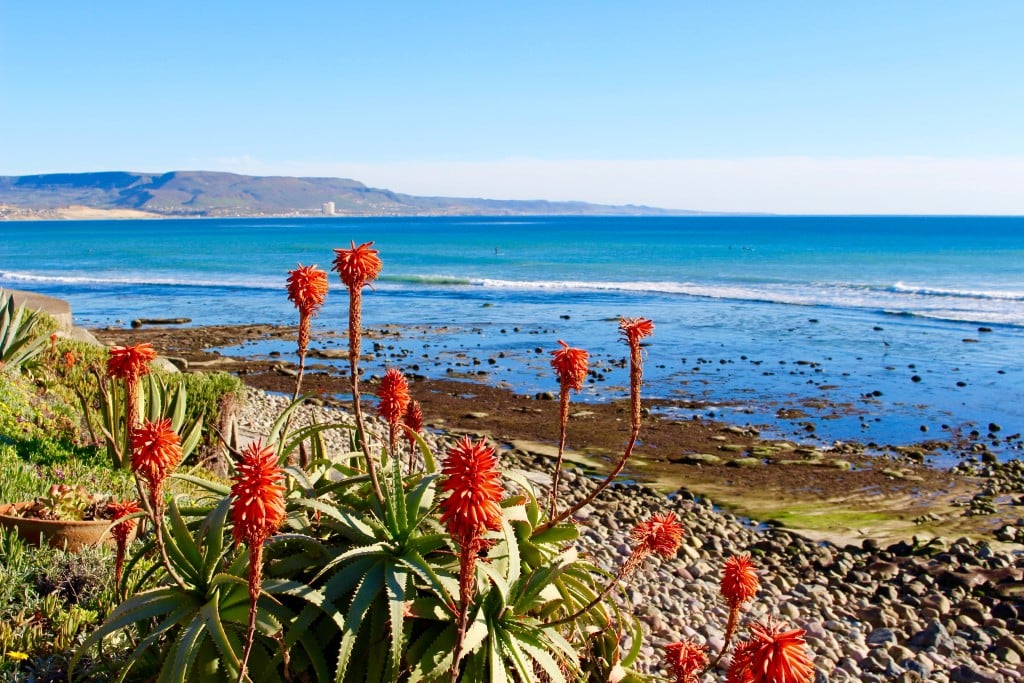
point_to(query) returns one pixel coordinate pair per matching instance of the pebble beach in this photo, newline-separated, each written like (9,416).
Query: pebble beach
(936,611)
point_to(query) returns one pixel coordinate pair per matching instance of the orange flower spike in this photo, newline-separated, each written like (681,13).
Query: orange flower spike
(120,510)
(661,534)
(307,288)
(394,397)
(357,266)
(122,532)
(130,362)
(686,660)
(156,451)
(739,580)
(257,509)
(570,366)
(772,655)
(473,482)
(413,419)
(69,360)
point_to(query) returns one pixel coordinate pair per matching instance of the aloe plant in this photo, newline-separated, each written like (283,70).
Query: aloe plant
(193,631)
(18,342)
(160,401)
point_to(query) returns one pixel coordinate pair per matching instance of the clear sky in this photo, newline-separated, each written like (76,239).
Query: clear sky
(863,106)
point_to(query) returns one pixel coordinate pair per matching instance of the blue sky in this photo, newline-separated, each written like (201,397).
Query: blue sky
(873,107)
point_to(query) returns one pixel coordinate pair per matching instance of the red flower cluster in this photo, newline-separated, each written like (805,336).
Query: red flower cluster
(121,532)
(686,660)
(257,510)
(119,510)
(130,362)
(473,483)
(69,360)
(357,266)
(739,580)
(413,419)
(307,288)
(570,366)
(156,451)
(394,397)
(771,655)
(661,534)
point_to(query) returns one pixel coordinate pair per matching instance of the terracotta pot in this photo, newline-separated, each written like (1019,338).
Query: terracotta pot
(59,533)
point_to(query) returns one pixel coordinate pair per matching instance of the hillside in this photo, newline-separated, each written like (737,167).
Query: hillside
(205,193)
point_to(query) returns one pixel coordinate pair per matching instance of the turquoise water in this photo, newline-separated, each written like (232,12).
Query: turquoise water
(753,314)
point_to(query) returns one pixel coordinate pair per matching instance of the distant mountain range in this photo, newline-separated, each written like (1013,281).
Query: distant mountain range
(206,193)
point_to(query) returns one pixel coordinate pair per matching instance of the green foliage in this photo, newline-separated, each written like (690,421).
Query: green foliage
(159,400)
(25,479)
(193,630)
(49,600)
(20,341)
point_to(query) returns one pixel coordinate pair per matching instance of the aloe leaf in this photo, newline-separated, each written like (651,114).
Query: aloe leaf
(414,561)
(138,608)
(182,537)
(211,486)
(396,580)
(347,578)
(537,651)
(183,653)
(358,530)
(424,449)
(431,653)
(364,596)
(211,613)
(213,535)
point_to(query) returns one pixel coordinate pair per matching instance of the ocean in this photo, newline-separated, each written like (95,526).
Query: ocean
(884,330)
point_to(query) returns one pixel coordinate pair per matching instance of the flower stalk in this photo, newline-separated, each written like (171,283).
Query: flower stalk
(307,289)
(633,330)
(570,366)
(358,267)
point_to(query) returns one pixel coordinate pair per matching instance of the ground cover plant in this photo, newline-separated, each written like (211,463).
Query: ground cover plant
(383,562)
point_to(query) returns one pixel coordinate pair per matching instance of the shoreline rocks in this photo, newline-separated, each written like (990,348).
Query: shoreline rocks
(911,611)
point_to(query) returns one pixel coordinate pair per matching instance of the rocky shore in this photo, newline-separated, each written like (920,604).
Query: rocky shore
(908,611)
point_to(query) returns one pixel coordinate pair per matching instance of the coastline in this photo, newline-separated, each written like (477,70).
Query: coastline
(841,493)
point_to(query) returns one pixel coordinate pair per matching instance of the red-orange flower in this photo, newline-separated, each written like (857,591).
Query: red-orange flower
(772,655)
(257,509)
(570,366)
(69,360)
(473,482)
(119,509)
(357,266)
(739,580)
(635,329)
(307,288)
(686,659)
(156,450)
(413,419)
(130,362)
(121,532)
(394,397)
(661,534)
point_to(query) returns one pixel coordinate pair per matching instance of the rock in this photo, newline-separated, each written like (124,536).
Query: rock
(697,459)
(881,637)
(933,637)
(744,462)
(970,674)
